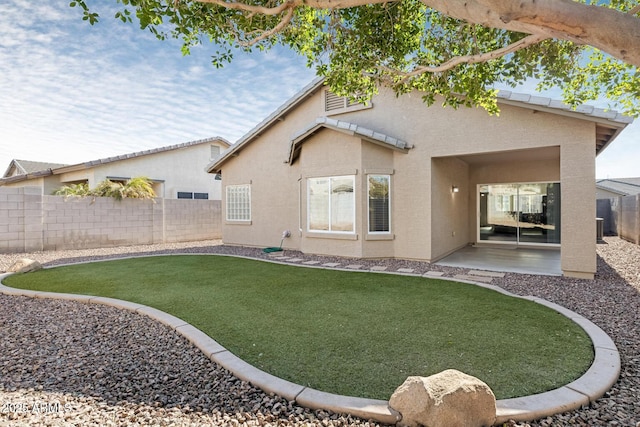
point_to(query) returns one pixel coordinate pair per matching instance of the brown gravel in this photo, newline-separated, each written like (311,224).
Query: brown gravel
(67,364)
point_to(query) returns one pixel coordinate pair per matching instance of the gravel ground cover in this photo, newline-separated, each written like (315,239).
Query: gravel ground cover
(64,363)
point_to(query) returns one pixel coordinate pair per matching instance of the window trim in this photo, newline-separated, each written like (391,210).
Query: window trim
(353,213)
(193,195)
(228,204)
(379,233)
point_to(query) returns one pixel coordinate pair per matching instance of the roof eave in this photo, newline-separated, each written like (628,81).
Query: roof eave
(273,118)
(610,140)
(347,129)
(26,177)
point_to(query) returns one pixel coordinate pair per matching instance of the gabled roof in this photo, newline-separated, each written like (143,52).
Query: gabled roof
(608,123)
(346,128)
(622,186)
(24,167)
(271,120)
(87,165)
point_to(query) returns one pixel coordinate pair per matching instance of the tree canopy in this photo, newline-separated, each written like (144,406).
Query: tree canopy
(456,49)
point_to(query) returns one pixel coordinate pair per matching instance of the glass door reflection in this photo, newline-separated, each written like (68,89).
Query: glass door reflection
(520,213)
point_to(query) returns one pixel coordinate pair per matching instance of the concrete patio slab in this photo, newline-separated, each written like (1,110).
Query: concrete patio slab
(510,260)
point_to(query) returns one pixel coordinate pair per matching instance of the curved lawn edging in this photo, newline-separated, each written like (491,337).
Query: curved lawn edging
(598,379)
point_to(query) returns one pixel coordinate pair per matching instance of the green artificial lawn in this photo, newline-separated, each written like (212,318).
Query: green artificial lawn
(351,333)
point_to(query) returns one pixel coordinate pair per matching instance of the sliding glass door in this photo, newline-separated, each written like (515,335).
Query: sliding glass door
(520,213)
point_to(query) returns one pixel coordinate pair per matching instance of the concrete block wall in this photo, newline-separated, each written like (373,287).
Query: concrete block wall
(20,219)
(30,221)
(629,218)
(188,220)
(86,223)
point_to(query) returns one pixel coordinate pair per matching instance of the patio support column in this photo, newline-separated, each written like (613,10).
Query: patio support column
(578,207)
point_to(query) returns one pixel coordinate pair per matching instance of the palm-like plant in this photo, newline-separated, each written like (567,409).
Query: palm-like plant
(138,188)
(135,188)
(108,188)
(79,190)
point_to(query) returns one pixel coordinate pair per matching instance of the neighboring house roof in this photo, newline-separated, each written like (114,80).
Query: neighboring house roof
(87,165)
(608,123)
(622,186)
(24,167)
(347,128)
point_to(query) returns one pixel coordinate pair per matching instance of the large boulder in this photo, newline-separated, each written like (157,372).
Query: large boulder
(448,399)
(25,265)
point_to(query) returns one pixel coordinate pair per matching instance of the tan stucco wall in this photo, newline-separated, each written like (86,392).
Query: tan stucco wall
(449,210)
(464,147)
(578,234)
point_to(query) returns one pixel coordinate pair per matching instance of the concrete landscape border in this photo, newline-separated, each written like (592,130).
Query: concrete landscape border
(599,378)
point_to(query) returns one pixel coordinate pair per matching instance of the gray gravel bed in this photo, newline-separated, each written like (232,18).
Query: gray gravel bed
(64,363)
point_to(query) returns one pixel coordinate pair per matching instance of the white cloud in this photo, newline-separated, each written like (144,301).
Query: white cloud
(73,92)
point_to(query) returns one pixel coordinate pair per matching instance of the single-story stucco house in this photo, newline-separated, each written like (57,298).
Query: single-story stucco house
(397,179)
(176,171)
(610,188)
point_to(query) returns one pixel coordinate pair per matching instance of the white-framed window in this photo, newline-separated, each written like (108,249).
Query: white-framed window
(379,203)
(238,202)
(331,204)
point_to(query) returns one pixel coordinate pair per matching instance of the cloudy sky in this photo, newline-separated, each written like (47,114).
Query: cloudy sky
(71,92)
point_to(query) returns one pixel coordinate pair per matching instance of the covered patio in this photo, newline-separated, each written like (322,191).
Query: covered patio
(511,259)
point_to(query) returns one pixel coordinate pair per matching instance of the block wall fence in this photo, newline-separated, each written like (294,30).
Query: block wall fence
(30,221)
(621,216)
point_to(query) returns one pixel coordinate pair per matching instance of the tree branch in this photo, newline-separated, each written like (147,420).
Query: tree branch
(472,59)
(614,32)
(283,23)
(276,10)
